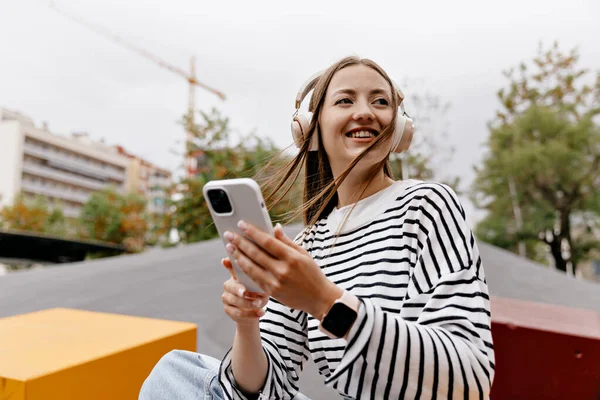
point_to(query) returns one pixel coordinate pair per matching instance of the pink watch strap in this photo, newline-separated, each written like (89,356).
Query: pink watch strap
(350,300)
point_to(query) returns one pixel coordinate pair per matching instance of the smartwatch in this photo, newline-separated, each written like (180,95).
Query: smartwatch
(341,316)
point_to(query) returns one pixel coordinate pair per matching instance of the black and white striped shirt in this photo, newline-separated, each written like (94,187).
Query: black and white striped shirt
(423,326)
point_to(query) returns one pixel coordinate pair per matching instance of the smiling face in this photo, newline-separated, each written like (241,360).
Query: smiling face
(356,109)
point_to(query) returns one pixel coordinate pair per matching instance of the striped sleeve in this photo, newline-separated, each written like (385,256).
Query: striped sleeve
(284,334)
(440,345)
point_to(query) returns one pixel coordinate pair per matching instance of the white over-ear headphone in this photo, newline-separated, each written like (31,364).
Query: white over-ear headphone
(402,136)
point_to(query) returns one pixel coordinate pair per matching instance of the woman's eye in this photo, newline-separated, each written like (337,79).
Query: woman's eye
(382,102)
(343,101)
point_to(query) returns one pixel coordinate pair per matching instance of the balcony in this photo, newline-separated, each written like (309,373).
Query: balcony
(48,173)
(159,182)
(79,167)
(57,193)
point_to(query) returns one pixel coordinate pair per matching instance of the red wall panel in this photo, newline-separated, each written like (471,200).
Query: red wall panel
(545,351)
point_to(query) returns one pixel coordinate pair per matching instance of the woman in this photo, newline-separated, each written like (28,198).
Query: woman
(384,289)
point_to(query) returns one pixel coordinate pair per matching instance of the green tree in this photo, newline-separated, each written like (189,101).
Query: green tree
(218,157)
(34,215)
(189,214)
(113,217)
(58,225)
(540,181)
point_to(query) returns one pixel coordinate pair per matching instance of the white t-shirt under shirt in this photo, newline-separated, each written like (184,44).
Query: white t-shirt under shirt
(366,209)
(423,326)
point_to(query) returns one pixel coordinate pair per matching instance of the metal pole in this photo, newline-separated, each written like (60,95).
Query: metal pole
(191,111)
(518,216)
(404,166)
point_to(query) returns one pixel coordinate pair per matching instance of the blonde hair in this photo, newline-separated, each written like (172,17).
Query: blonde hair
(320,187)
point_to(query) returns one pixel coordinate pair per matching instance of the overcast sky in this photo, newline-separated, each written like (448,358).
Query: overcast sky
(259,52)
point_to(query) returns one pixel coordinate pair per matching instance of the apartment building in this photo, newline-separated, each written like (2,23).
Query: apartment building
(148,180)
(64,169)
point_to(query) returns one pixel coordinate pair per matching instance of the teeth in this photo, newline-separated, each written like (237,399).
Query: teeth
(362,134)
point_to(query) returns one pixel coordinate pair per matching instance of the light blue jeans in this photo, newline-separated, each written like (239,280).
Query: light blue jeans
(185,375)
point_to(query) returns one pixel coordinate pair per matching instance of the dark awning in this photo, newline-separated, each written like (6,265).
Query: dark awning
(36,247)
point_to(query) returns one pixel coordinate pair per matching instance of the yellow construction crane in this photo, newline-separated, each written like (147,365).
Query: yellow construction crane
(190,77)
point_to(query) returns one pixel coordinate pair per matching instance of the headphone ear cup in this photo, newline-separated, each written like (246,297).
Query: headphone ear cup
(297,133)
(300,128)
(403,133)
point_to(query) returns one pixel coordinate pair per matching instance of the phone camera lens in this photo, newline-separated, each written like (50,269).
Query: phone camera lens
(219,201)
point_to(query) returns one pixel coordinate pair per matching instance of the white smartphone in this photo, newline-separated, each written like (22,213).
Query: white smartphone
(232,200)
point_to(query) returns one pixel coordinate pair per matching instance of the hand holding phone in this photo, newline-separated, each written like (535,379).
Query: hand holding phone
(243,307)
(230,201)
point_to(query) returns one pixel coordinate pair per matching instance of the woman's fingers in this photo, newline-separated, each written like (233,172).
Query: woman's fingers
(258,273)
(231,299)
(235,288)
(251,295)
(241,305)
(279,234)
(253,250)
(269,246)
(226,262)
(237,314)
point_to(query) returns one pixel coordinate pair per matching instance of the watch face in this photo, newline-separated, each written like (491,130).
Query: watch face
(339,319)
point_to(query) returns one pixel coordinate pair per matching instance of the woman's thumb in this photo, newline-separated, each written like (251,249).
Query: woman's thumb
(226,262)
(279,234)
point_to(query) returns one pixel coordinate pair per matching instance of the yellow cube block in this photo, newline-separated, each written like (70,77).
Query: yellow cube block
(74,354)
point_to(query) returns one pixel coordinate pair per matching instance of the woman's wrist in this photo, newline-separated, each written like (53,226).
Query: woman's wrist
(324,302)
(248,328)
(249,362)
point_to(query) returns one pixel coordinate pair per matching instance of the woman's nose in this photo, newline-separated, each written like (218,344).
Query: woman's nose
(363,112)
